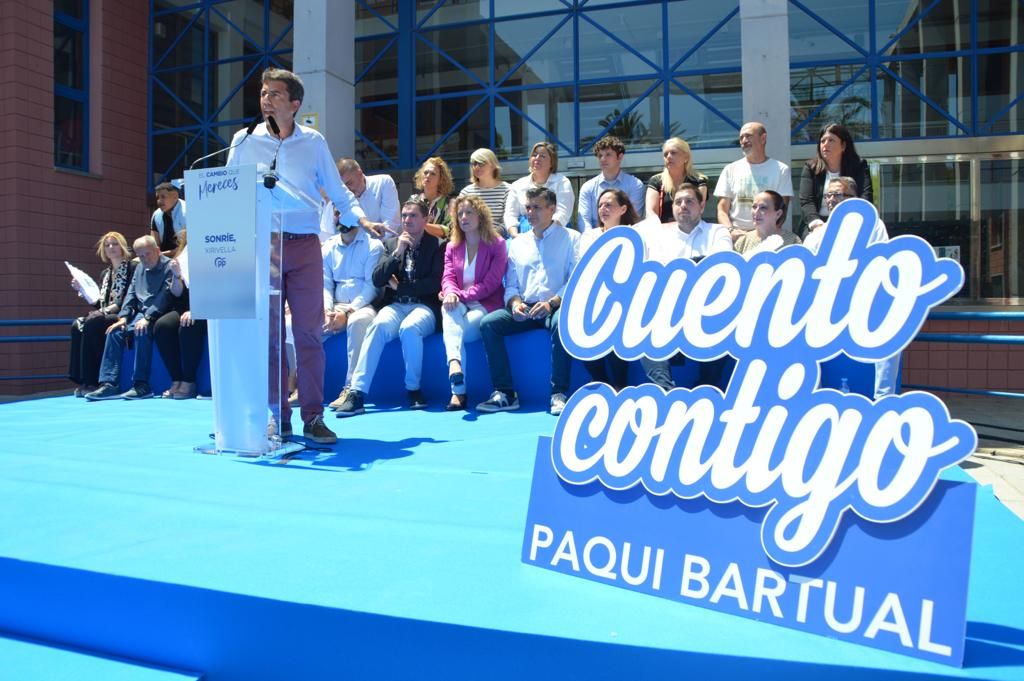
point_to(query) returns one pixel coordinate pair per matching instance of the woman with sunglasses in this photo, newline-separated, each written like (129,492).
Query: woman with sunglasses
(486,183)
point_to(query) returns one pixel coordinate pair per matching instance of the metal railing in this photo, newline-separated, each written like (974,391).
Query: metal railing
(15,323)
(974,339)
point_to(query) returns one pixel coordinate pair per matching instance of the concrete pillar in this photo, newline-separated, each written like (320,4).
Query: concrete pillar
(764,29)
(324,52)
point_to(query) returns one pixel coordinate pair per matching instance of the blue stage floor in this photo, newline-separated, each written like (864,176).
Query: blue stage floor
(396,554)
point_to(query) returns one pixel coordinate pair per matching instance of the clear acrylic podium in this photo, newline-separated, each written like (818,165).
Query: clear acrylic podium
(234,225)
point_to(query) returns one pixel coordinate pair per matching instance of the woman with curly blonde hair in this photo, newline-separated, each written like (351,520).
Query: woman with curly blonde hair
(435,184)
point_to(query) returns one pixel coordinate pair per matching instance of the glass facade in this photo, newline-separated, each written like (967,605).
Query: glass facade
(507,75)
(443,77)
(71,84)
(205,62)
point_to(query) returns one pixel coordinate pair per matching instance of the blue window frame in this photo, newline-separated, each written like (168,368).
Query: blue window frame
(205,62)
(71,84)
(445,77)
(910,69)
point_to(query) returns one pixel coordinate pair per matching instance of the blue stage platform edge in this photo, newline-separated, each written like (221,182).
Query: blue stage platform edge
(394,554)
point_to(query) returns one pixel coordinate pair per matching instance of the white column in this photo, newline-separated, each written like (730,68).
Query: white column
(324,52)
(764,29)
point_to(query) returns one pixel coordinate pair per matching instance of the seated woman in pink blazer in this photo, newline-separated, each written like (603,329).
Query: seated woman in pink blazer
(471,286)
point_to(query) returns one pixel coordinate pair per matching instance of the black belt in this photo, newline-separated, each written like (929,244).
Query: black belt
(408,300)
(291,236)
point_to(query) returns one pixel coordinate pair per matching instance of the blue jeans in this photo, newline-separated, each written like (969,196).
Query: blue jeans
(500,323)
(113,348)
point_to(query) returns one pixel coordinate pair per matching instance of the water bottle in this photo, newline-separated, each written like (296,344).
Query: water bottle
(844,386)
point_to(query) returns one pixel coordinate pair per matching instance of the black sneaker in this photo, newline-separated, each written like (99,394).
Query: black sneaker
(499,401)
(106,391)
(416,400)
(352,405)
(139,391)
(316,431)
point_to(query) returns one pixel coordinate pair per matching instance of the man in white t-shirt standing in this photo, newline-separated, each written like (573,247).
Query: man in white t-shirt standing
(744,179)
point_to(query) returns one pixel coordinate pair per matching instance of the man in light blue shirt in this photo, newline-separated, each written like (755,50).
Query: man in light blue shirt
(349,261)
(539,264)
(609,151)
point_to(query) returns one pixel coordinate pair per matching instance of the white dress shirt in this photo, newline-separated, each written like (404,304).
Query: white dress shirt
(305,163)
(665,243)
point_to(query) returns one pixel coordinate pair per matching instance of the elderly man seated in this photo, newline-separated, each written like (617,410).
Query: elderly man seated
(148,297)
(411,272)
(837,191)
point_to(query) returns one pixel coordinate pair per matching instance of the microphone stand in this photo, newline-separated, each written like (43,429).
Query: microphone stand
(248,131)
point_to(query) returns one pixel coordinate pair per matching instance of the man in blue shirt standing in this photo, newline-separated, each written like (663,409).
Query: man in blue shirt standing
(609,151)
(539,264)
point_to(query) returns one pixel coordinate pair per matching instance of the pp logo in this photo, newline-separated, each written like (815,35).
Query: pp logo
(220,262)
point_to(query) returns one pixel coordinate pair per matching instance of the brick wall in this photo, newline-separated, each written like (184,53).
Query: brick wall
(48,215)
(962,365)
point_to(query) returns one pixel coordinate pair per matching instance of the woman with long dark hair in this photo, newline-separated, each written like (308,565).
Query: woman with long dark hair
(837,157)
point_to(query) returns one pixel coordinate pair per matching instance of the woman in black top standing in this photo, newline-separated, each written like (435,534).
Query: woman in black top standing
(837,157)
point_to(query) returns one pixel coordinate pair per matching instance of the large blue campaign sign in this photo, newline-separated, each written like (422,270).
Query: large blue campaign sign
(777,499)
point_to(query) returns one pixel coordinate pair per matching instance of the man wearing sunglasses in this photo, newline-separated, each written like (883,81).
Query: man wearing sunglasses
(837,191)
(349,260)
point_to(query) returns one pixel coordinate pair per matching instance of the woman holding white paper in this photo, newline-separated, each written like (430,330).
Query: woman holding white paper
(88,333)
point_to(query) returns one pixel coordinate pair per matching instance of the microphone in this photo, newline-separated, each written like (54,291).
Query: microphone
(248,131)
(270,179)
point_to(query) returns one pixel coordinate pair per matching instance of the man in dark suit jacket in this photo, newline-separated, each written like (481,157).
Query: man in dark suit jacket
(410,273)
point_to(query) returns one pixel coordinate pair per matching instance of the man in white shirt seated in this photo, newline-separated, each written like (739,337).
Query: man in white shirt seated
(609,151)
(539,264)
(377,196)
(349,261)
(688,237)
(837,191)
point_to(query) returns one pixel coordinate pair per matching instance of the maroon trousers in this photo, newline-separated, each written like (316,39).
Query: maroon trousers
(302,287)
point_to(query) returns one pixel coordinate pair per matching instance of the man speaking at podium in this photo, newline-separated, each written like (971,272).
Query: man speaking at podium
(299,155)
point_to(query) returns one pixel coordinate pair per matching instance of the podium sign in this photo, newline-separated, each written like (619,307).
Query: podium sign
(222,242)
(775,499)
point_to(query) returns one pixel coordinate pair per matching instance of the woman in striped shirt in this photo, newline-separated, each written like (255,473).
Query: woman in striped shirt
(486,182)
